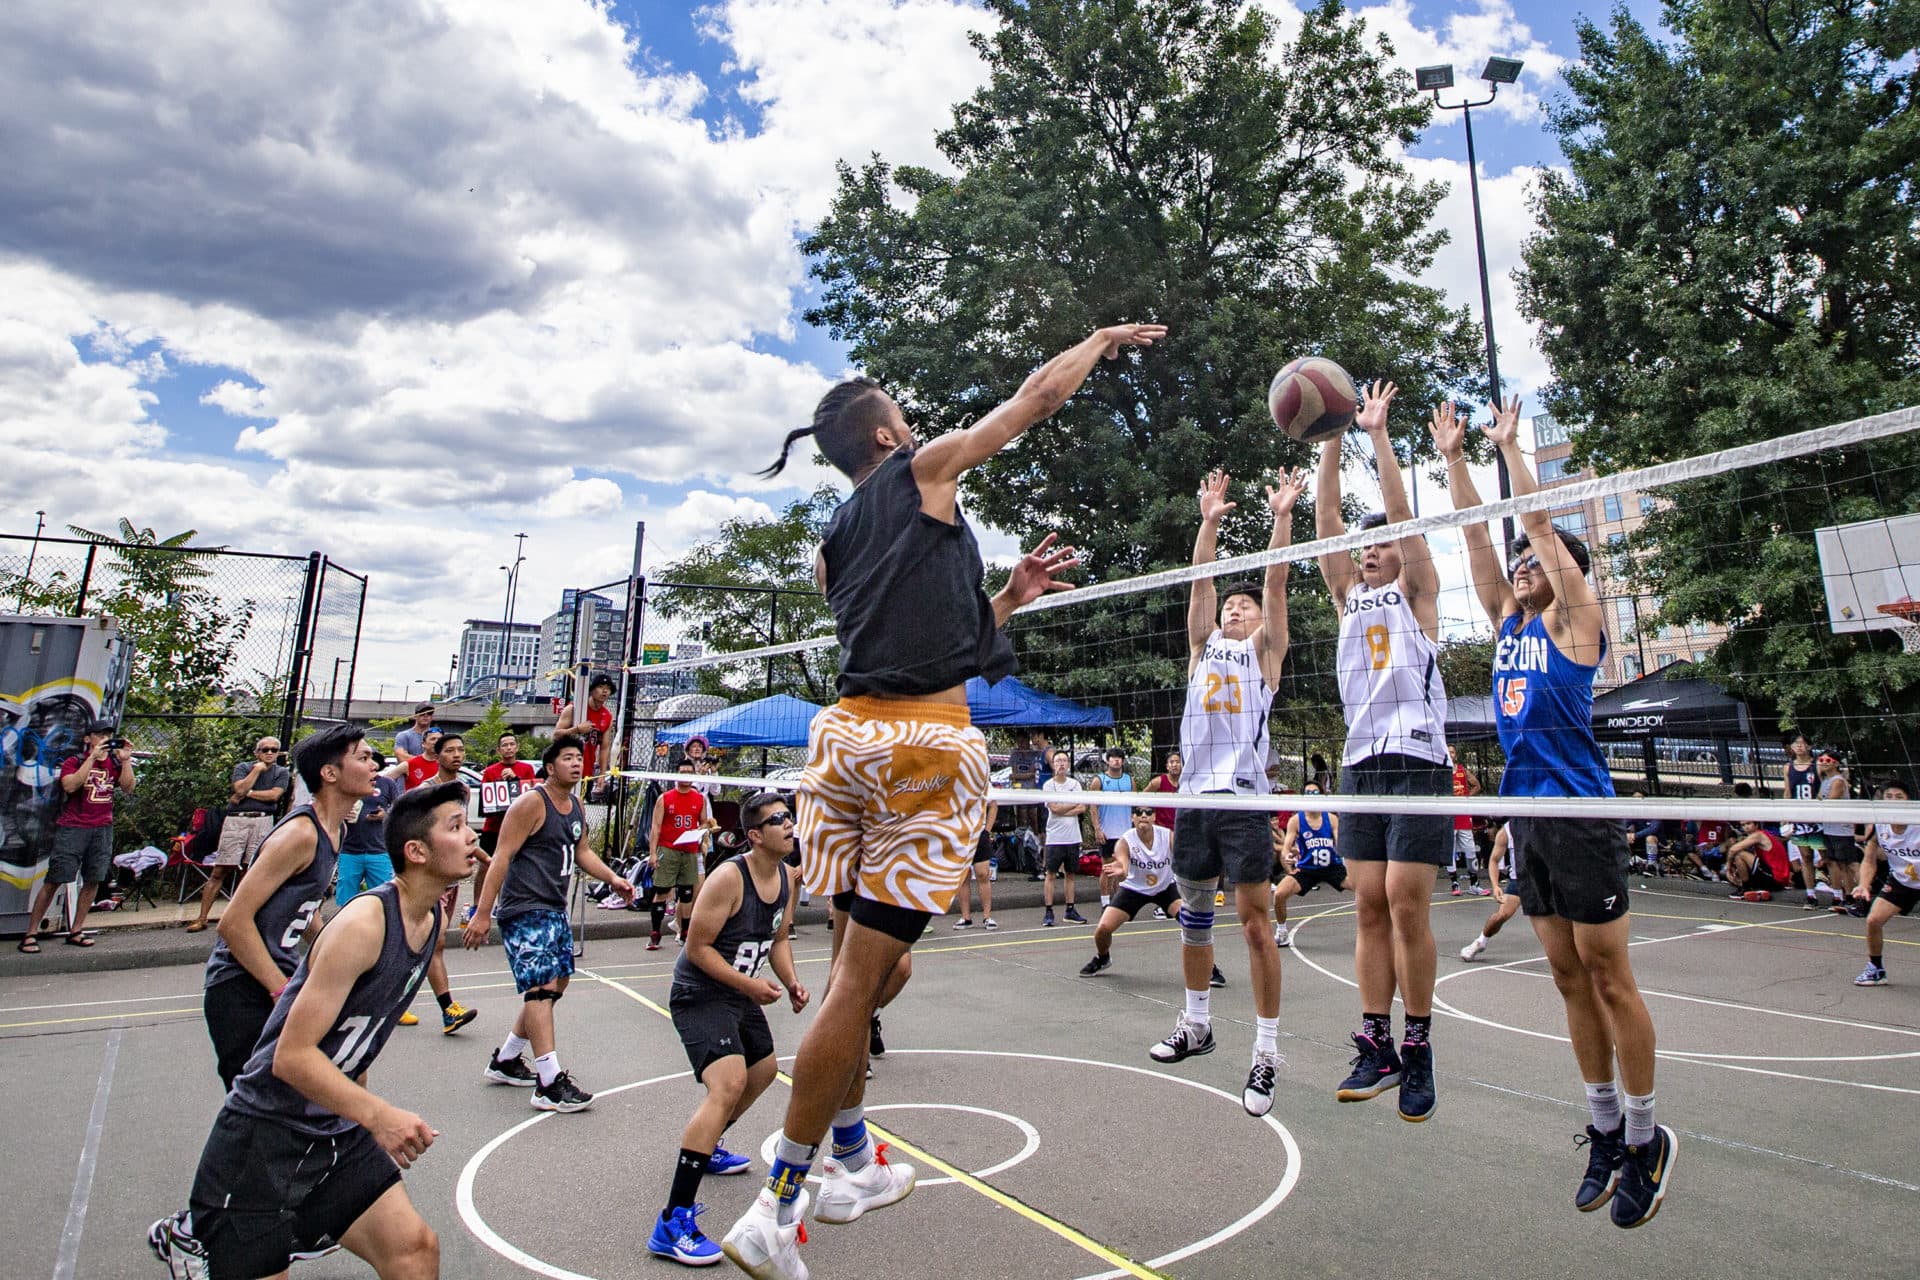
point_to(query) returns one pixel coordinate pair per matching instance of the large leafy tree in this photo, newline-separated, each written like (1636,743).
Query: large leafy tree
(1730,257)
(1171,161)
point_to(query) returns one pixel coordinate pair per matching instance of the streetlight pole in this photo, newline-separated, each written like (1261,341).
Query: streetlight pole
(1498,71)
(513,596)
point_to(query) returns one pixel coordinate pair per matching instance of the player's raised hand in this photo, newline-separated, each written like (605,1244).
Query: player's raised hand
(1282,496)
(1213,496)
(1505,427)
(1372,417)
(1038,572)
(1130,335)
(1449,430)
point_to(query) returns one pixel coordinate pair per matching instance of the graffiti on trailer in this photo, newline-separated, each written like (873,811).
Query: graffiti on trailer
(37,731)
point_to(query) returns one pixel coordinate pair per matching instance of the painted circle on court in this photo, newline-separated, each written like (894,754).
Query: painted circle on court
(1289,1177)
(1031,1145)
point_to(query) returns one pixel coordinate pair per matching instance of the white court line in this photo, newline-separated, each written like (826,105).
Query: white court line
(1441,1006)
(69,1256)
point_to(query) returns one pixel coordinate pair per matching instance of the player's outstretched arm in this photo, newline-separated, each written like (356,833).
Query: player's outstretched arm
(1037,573)
(1418,575)
(1574,601)
(941,462)
(1490,585)
(349,948)
(1273,592)
(1337,567)
(1203,603)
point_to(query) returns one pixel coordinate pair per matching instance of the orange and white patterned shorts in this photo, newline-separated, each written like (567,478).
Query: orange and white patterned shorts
(892,801)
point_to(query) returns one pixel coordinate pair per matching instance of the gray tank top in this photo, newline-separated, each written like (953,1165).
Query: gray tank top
(283,918)
(744,941)
(367,1017)
(538,876)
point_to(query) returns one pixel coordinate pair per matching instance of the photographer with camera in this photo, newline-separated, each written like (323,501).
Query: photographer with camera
(83,833)
(254,794)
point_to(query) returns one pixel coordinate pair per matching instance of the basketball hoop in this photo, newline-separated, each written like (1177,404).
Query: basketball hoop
(1905,613)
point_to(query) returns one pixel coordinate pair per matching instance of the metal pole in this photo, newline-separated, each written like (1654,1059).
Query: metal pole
(302,639)
(620,746)
(86,576)
(1486,306)
(353,665)
(33,551)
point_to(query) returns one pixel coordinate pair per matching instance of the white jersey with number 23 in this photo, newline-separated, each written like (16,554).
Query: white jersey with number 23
(1223,729)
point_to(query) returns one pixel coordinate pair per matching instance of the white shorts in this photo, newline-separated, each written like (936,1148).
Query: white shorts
(240,837)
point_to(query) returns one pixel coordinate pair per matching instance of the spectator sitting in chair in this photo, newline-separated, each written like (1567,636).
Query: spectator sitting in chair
(83,833)
(254,796)
(1757,860)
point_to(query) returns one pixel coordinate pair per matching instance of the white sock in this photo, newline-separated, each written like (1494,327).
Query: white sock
(512,1047)
(1603,1101)
(1639,1109)
(547,1066)
(1104,899)
(1198,1012)
(1266,1035)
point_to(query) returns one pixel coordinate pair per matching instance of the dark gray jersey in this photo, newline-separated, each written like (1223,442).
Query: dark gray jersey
(367,1017)
(287,912)
(744,941)
(538,876)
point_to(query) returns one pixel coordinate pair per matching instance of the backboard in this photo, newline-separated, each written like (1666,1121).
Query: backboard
(1870,569)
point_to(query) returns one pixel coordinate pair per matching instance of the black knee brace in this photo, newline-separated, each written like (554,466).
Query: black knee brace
(542,993)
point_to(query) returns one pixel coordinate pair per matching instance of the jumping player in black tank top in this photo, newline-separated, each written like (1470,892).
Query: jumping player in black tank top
(739,927)
(302,1150)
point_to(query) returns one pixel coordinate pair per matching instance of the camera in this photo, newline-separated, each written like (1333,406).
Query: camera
(116,744)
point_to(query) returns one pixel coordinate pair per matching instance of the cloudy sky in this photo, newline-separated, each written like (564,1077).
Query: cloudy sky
(397,279)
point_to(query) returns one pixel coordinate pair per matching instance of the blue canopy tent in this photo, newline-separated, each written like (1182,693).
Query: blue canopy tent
(1012,702)
(779,721)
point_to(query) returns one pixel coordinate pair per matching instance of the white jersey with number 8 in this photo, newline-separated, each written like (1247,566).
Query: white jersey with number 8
(1389,679)
(1223,729)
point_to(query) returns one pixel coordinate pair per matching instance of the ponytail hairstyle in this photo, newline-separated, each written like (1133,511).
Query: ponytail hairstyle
(843,425)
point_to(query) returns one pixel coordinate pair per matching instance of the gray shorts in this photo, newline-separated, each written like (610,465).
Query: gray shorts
(1396,837)
(240,837)
(80,853)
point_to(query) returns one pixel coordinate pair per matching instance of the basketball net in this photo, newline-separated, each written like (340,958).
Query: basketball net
(1905,613)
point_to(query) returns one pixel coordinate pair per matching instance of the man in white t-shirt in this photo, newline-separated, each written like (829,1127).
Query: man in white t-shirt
(1063,838)
(1141,865)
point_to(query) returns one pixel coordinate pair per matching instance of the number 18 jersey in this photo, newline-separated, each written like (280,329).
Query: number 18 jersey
(1389,679)
(1223,728)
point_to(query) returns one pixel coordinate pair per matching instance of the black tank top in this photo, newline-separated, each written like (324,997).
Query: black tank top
(539,874)
(285,915)
(905,590)
(744,941)
(367,1017)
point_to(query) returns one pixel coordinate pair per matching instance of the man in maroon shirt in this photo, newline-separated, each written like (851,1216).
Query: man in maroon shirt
(83,833)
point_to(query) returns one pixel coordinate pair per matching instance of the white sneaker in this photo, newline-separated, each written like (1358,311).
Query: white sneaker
(761,1247)
(989,923)
(1159,913)
(1281,938)
(1257,1097)
(1473,949)
(845,1194)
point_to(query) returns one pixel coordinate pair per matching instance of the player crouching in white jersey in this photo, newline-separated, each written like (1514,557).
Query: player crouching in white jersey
(1233,668)
(1900,847)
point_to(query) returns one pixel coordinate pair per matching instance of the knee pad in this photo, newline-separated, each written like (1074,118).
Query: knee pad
(1196,912)
(542,993)
(684,893)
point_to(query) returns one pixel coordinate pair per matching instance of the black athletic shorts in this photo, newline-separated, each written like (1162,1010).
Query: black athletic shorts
(1574,868)
(1844,849)
(237,1012)
(1396,837)
(1131,900)
(1311,878)
(983,851)
(1231,844)
(1761,877)
(1061,858)
(713,1027)
(262,1188)
(1903,899)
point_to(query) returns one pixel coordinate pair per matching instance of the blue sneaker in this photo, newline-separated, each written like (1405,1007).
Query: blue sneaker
(1606,1152)
(675,1235)
(723,1162)
(1376,1068)
(1417,1100)
(1646,1173)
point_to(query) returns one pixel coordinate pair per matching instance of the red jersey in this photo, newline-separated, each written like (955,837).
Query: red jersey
(680,812)
(1163,817)
(1462,786)
(421,770)
(1709,833)
(599,723)
(1774,855)
(494,773)
(92,804)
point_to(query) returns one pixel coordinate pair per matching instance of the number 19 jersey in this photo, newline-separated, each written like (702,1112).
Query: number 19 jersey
(1223,728)
(1389,679)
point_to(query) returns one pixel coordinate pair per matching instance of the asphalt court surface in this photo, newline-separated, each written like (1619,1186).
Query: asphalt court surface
(1793,1092)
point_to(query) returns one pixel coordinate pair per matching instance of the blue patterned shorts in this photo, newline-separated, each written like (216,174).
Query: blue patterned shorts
(539,948)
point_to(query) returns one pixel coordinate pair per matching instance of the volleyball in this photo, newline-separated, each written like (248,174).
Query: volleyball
(1312,399)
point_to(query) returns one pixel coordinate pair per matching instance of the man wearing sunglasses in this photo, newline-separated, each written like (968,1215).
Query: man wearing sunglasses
(1572,877)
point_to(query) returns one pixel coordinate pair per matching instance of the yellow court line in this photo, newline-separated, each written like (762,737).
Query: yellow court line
(1071,1235)
(97,1017)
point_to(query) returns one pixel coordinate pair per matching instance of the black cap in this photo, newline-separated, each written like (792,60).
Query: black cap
(101,726)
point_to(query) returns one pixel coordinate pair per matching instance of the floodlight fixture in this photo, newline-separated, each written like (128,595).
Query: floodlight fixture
(1433,78)
(1501,70)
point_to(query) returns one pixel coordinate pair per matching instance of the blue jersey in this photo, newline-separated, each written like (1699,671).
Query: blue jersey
(1543,705)
(1315,847)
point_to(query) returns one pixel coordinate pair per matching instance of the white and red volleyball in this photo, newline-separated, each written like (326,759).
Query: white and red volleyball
(1312,399)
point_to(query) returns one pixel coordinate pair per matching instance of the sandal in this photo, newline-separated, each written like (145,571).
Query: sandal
(79,940)
(197,926)
(30,945)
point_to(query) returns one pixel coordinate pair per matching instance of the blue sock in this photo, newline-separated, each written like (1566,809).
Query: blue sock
(791,1163)
(852,1149)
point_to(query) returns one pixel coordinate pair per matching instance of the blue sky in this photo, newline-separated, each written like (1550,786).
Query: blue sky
(510,268)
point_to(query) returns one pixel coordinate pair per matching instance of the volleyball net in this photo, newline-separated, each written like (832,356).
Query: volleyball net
(1746,596)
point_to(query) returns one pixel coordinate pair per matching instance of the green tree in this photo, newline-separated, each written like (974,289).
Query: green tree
(757,554)
(1166,161)
(485,735)
(1731,257)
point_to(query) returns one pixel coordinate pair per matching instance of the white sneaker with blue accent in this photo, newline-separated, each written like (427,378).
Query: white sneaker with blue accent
(845,1193)
(761,1247)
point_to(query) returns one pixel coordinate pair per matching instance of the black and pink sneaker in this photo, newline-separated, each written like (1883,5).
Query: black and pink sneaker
(1376,1069)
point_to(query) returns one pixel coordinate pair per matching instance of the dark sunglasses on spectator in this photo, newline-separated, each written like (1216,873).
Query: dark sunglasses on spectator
(782,819)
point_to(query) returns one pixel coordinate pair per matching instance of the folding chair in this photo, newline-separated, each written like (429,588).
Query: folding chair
(189,852)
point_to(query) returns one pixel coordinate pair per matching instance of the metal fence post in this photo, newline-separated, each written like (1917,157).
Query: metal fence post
(302,651)
(353,663)
(86,576)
